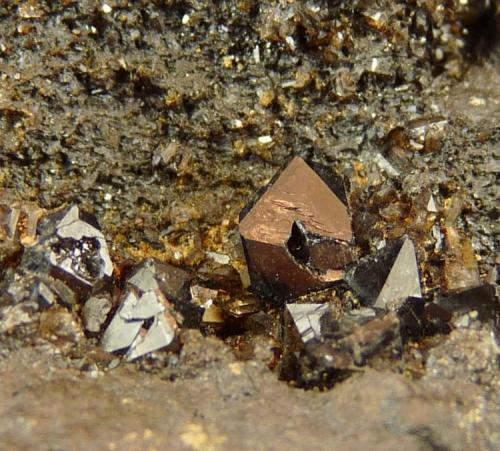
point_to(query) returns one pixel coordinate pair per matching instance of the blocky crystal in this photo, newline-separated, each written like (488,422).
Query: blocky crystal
(297,235)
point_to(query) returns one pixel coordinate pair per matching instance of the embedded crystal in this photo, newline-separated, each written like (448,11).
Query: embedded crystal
(172,282)
(362,343)
(431,205)
(64,261)
(403,280)
(460,265)
(306,319)
(388,278)
(80,254)
(160,335)
(346,342)
(205,298)
(297,235)
(145,320)
(149,305)
(120,333)
(47,298)
(95,312)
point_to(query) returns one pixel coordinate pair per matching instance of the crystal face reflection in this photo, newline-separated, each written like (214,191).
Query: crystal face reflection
(297,235)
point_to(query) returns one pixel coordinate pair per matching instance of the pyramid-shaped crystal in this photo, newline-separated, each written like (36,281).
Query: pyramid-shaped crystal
(297,235)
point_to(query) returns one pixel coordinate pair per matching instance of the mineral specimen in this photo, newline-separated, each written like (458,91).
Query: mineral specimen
(121,332)
(159,335)
(363,342)
(319,343)
(301,325)
(172,282)
(156,299)
(460,266)
(95,312)
(306,319)
(77,250)
(297,235)
(65,261)
(143,323)
(205,298)
(388,278)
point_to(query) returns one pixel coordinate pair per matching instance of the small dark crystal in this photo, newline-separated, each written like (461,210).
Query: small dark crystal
(480,299)
(389,277)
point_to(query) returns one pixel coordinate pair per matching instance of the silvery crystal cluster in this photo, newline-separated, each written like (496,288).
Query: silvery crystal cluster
(144,321)
(67,262)
(80,254)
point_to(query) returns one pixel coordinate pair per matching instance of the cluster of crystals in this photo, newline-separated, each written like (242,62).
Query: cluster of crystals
(298,233)
(146,320)
(298,238)
(64,261)
(66,269)
(319,339)
(64,274)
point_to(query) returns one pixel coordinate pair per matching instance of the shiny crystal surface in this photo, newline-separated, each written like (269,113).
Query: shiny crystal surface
(306,319)
(164,119)
(387,278)
(145,321)
(275,229)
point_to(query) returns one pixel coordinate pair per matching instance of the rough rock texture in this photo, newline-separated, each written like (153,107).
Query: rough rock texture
(229,404)
(164,118)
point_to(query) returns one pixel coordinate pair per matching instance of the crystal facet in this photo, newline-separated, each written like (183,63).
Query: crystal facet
(297,235)
(389,277)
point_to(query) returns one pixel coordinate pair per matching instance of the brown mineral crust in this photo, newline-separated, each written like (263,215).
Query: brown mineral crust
(461,269)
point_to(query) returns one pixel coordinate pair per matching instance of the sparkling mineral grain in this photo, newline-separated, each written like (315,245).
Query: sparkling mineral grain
(301,325)
(306,319)
(297,235)
(156,299)
(388,278)
(121,331)
(460,265)
(159,335)
(143,324)
(172,282)
(80,254)
(205,298)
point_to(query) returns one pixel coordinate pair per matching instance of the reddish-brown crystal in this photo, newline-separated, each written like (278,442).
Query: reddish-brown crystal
(299,195)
